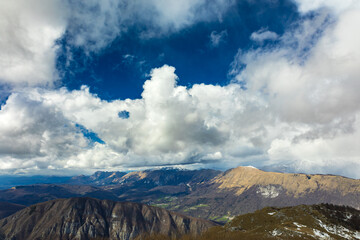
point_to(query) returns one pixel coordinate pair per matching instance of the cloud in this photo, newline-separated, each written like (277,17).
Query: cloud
(337,6)
(32,32)
(93,24)
(217,38)
(204,125)
(170,124)
(262,35)
(32,133)
(309,81)
(293,103)
(28,32)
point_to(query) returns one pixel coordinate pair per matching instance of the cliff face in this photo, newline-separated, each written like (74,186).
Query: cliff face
(87,218)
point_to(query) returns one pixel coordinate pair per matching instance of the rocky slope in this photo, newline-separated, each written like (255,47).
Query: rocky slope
(301,222)
(87,218)
(6,209)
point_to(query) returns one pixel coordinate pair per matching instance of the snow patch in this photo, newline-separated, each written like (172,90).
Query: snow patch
(339,230)
(251,167)
(269,191)
(320,234)
(271,213)
(275,232)
(298,225)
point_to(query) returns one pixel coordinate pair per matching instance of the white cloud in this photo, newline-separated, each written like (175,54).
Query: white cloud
(300,106)
(309,81)
(217,38)
(34,134)
(169,125)
(203,125)
(95,24)
(335,5)
(262,35)
(28,30)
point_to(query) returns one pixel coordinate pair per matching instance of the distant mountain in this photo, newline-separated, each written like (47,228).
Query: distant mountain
(147,186)
(6,208)
(246,189)
(301,222)
(27,195)
(88,218)
(142,186)
(98,178)
(152,177)
(8,181)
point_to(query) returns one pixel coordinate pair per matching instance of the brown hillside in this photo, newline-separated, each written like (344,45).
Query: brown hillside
(243,178)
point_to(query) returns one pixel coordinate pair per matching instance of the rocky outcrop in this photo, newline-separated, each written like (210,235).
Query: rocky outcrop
(88,218)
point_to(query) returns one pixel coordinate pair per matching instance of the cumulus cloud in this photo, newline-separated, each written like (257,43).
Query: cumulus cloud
(204,125)
(262,35)
(170,124)
(28,32)
(33,132)
(217,38)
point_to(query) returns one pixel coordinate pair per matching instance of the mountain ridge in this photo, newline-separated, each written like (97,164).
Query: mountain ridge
(89,218)
(243,177)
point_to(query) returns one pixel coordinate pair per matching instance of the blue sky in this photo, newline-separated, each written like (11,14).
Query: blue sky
(122,85)
(120,69)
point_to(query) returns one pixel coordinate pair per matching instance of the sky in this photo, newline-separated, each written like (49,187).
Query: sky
(125,85)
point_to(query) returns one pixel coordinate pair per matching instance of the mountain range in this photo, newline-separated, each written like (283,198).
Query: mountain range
(209,194)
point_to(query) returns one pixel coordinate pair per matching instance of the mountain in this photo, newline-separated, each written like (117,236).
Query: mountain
(142,186)
(246,189)
(6,209)
(323,221)
(147,186)
(99,178)
(88,218)
(8,181)
(27,195)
